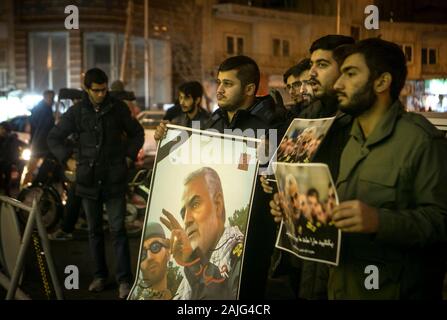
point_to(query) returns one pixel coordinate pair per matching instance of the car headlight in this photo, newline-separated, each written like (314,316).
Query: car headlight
(26,154)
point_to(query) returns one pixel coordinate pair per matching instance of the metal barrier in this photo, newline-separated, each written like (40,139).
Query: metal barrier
(34,218)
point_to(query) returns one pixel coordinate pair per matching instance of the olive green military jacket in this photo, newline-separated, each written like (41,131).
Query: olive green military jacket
(401,169)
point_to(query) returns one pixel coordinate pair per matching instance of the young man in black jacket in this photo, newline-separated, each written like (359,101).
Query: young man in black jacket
(309,279)
(242,113)
(190,98)
(109,140)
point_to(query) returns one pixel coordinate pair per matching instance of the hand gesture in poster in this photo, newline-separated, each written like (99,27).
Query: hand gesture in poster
(180,245)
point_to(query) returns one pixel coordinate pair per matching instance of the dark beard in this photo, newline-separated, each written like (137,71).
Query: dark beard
(236,104)
(361,101)
(330,104)
(190,111)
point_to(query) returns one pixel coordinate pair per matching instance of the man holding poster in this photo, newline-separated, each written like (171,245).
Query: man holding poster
(242,113)
(393,209)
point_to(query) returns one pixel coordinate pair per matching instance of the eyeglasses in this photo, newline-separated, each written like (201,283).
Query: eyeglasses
(295,85)
(154,248)
(298,84)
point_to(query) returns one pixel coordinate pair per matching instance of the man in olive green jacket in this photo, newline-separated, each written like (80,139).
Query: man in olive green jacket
(393,171)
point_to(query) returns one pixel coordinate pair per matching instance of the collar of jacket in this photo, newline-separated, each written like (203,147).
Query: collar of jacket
(104,107)
(384,127)
(200,114)
(326,107)
(263,108)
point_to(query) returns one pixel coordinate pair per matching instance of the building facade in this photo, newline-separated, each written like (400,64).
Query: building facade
(277,39)
(190,38)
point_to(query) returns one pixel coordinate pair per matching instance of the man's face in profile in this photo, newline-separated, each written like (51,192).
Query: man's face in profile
(354,88)
(323,72)
(49,98)
(230,93)
(155,259)
(203,216)
(187,103)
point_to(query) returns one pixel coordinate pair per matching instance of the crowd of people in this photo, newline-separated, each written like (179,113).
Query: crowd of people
(388,164)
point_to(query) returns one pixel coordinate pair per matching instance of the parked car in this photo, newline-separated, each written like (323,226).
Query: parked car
(20,126)
(150,119)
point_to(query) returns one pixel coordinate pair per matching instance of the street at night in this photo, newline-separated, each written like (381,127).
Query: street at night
(223,150)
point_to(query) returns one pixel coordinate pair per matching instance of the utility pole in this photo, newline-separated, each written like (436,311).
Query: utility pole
(338,16)
(129,23)
(146,55)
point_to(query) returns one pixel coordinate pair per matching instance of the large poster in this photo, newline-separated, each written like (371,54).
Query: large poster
(197,217)
(308,196)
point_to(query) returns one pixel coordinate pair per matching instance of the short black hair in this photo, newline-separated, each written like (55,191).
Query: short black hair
(341,52)
(297,69)
(48,92)
(330,42)
(383,56)
(95,75)
(247,69)
(312,192)
(192,88)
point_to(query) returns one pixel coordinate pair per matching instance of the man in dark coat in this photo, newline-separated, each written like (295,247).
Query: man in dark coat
(391,185)
(109,140)
(41,122)
(10,147)
(308,279)
(242,113)
(190,98)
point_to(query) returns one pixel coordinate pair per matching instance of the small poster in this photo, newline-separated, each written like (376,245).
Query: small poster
(196,221)
(307,197)
(302,140)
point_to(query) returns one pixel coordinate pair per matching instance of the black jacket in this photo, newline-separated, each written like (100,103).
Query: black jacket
(183,120)
(266,115)
(106,138)
(321,108)
(41,121)
(313,276)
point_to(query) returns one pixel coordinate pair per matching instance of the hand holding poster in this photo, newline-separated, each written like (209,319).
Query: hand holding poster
(197,215)
(307,195)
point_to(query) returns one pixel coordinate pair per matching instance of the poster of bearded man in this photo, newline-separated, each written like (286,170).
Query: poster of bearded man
(196,221)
